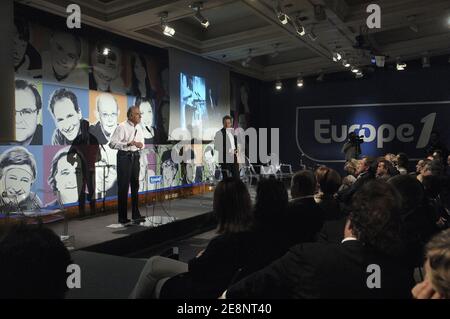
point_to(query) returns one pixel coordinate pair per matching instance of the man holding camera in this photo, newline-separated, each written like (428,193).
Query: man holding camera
(352,148)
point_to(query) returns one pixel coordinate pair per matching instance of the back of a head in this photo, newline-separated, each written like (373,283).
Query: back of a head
(232,206)
(402,160)
(303,184)
(329,180)
(271,200)
(438,256)
(410,190)
(33,264)
(375,217)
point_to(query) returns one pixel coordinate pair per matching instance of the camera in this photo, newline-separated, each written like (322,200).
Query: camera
(355,139)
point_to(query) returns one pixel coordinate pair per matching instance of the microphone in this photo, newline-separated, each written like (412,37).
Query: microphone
(4,194)
(148,129)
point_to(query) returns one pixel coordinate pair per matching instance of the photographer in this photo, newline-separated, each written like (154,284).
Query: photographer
(352,148)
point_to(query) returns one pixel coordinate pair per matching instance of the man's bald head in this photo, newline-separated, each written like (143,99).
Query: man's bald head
(107,112)
(134,115)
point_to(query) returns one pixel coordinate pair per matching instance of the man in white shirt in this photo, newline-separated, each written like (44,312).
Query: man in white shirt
(128,139)
(226,144)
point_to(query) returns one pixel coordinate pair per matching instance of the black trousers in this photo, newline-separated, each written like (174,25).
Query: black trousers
(87,180)
(128,176)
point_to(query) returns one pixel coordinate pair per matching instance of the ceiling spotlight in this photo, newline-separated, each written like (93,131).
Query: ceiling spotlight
(106,51)
(355,70)
(278,85)
(282,17)
(337,56)
(299,28)
(359,75)
(197,6)
(300,82)
(401,66)
(346,64)
(167,30)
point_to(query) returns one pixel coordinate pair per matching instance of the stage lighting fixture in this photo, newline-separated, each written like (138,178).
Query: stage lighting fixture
(337,56)
(401,66)
(278,85)
(198,6)
(359,75)
(300,82)
(106,51)
(299,28)
(355,70)
(346,64)
(282,17)
(166,29)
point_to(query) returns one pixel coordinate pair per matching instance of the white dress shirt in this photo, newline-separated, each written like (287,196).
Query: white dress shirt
(124,134)
(231,138)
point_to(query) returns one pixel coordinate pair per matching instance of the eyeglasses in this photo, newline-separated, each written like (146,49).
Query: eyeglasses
(26,112)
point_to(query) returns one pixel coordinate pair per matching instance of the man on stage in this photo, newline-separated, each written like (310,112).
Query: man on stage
(225,142)
(128,139)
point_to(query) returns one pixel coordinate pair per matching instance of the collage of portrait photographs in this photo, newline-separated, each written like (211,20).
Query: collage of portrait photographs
(68,87)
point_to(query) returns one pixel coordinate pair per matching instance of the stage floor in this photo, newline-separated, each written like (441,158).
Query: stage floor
(90,232)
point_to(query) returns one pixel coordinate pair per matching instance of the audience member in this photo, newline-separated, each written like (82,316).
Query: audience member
(33,264)
(418,223)
(346,270)
(437,269)
(305,218)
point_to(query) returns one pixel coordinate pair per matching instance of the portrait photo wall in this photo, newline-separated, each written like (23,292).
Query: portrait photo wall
(67,81)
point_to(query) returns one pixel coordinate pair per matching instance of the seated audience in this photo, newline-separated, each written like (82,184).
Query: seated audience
(236,251)
(437,269)
(305,218)
(33,263)
(316,270)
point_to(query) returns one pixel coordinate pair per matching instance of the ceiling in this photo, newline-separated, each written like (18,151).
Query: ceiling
(409,30)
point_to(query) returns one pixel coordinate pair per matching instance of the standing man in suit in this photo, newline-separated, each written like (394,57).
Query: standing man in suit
(128,139)
(225,142)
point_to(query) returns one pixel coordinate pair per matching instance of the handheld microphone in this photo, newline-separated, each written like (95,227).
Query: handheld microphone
(148,129)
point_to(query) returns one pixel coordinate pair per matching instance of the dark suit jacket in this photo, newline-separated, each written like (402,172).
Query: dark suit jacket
(326,271)
(304,220)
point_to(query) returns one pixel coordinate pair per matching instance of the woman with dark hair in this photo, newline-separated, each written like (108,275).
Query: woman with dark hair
(140,81)
(210,273)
